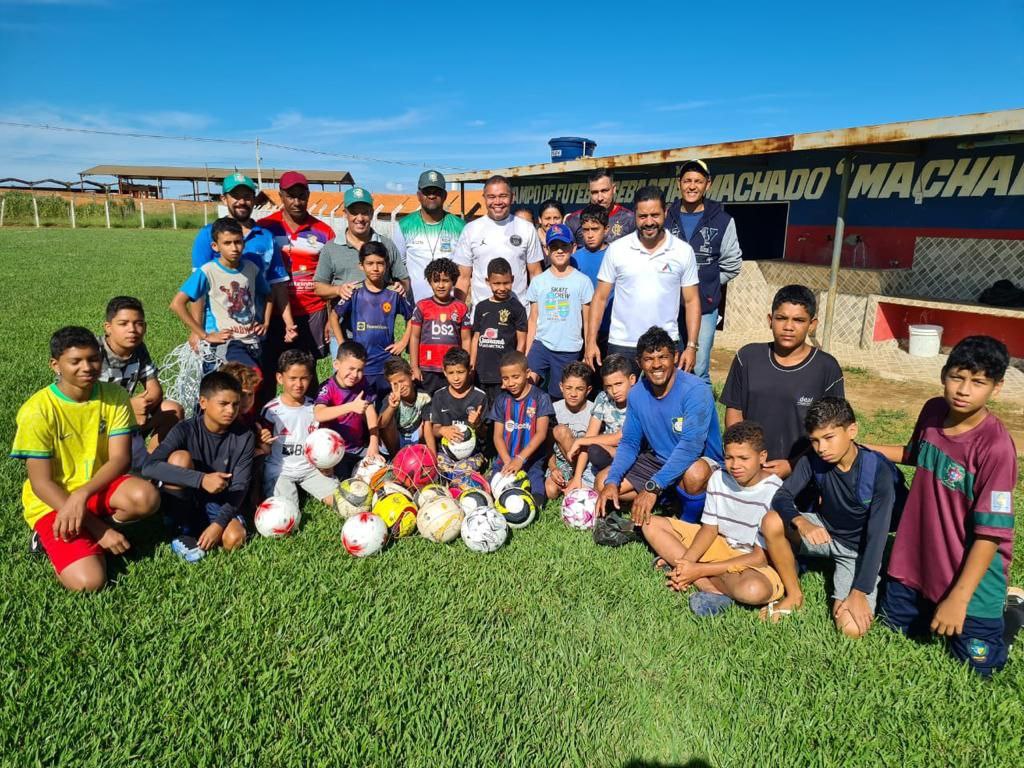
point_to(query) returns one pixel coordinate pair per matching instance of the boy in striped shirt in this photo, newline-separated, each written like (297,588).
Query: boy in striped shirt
(724,557)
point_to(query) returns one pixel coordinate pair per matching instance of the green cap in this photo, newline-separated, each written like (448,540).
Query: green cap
(358,195)
(431,179)
(237,180)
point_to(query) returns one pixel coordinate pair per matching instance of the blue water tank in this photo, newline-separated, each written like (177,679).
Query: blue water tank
(571,148)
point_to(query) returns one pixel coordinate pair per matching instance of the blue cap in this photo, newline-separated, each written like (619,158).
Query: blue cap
(559,232)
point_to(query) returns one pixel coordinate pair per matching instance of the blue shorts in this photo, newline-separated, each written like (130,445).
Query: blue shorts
(910,613)
(549,365)
(189,515)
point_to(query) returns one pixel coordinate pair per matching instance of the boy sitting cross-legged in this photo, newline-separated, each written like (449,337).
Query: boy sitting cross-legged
(572,414)
(75,438)
(454,408)
(856,492)
(205,464)
(724,556)
(289,420)
(950,563)
(598,445)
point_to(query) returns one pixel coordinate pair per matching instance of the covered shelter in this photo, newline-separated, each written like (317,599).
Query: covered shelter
(131,179)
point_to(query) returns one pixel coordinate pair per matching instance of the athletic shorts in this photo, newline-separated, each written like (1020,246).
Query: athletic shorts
(313,482)
(720,551)
(310,330)
(647,465)
(64,553)
(844,561)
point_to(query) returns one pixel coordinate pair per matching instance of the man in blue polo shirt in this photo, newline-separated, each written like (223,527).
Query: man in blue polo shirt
(239,197)
(673,414)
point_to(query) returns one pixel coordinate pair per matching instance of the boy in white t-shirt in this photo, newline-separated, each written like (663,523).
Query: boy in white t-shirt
(288,419)
(724,558)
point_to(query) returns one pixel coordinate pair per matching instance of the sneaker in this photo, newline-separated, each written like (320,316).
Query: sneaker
(187,548)
(706,604)
(35,545)
(1013,619)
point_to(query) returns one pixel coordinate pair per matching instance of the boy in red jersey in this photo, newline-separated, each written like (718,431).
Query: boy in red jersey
(438,324)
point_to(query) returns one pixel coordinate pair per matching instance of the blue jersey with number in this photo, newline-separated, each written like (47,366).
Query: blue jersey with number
(369,318)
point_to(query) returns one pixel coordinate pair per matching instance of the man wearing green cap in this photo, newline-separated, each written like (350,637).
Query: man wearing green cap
(238,193)
(429,233)
(338,273)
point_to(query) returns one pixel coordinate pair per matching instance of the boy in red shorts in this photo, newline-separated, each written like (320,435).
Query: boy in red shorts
(75,437)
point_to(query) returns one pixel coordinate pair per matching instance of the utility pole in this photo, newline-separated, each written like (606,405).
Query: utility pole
(259,169)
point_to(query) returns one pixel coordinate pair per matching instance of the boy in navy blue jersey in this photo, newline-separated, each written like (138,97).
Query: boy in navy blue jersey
(521,415)
(499,327)
(369,315)
(673,413)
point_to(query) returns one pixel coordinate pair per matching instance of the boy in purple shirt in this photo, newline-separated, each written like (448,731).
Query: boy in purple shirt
(346,406)
(950,563)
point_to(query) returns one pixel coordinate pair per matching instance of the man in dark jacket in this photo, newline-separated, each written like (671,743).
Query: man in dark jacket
(711,233)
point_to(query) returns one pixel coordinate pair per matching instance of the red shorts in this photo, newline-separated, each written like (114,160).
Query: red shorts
(64,553)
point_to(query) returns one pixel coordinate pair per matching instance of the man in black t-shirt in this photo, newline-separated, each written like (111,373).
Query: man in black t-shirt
(454,407)
(775,383)
(499,326)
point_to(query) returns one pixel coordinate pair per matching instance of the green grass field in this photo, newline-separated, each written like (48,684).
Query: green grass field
(549,652)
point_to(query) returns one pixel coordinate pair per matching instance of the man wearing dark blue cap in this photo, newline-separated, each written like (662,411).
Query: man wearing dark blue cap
(559,301)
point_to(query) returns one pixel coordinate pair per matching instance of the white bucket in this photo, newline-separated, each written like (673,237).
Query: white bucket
(925,340)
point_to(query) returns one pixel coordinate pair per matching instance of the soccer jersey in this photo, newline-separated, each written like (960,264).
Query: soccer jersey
(441,328)
(421,242)
(560,300)
(126,372)
(497,323)
(73,436)
(300,251)
(963,488)
(577,424)
(777,396)
(737,510)
(410,415)
(484,239)
(609,413)
(519,418)
(230,297)
(351,426)
(258,248)
(648,286)
(291,425)
(369,318)
(621,222)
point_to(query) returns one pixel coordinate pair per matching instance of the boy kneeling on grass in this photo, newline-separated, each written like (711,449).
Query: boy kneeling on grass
(724,556)
(75,437)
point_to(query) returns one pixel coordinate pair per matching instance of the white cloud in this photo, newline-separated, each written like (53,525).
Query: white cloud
(476,123)
(394,186)
(684,106)
(289,122)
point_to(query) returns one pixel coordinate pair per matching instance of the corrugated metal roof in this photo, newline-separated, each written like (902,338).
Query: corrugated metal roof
(202,173)
(391,201)
(1007,121)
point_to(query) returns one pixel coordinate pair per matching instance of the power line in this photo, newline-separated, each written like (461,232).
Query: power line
(211,140)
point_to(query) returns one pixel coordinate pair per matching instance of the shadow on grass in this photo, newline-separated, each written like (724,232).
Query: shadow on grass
(695,762)
(145,536)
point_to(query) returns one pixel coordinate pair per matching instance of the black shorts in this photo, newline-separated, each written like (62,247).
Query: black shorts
(646,466)
(433,381)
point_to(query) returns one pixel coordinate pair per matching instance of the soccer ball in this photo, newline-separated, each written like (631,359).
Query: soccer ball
(414,466)
(380,476)
(387,488)
(430,492)
(461,449)
(500,482)
(364,534)
(440,520)
(473,498)
(484,530)
(277,517)
(352,497)
(518,507)
(578,508)
(367,467)
(324,448)
(398,513)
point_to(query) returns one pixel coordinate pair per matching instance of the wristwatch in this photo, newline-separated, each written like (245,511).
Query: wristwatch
(652,487)
(691,344)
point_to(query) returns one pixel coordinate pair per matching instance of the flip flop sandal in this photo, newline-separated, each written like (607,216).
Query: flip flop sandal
(769,612)
(663,567)
(706,604)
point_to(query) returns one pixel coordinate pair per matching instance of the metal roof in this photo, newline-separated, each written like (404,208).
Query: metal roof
(202,173)
(1007,121)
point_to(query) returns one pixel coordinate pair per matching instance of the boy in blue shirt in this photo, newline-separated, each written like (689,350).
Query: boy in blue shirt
(368,317)
(559,300)
(593,230)
(232,289)
(673,413)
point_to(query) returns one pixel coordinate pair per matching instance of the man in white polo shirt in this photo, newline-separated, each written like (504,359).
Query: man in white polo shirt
(499,233)
(650,270)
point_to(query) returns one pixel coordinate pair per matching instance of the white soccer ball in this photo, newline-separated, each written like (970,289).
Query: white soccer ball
(460,449)
(578,508)
(472,499)
(277,517)
(501,482)
(440,520)
(428,493)
(364,534)
(368,467)
(324,448)
(484,530)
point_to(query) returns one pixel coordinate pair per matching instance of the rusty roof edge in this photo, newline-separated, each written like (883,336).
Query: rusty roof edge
(214,173)
(842,138)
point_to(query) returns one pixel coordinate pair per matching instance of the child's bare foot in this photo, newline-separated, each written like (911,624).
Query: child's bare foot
(777,610)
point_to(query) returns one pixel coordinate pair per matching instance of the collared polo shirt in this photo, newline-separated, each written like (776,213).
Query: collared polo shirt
(339,261)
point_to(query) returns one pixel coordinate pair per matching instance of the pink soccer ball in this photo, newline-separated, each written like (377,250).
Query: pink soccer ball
(578,508)
(324,448)
(415,466)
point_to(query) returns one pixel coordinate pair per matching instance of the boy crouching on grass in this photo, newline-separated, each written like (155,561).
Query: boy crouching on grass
(75,437)
(724,557)
(572,413)
(205,464)
(453,409)
(403,411)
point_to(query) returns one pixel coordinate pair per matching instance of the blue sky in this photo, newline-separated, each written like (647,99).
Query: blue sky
(464,87)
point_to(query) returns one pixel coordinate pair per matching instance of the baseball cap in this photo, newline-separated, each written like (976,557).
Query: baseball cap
(293,179)
(695,165)
(431,179)
(237,180)
(358,195)
(559,232)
